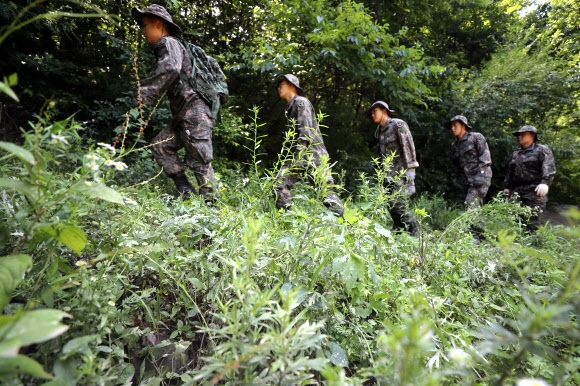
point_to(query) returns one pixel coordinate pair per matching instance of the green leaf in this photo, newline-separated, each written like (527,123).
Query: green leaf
(5,87)
(59,126)
(101,191)
(337,355)
(70,235)
(78,345)
(382,231)
(32,192)
(9,348)
(18,151)
(497,307)
(12,269)
(35,326)
(23,365)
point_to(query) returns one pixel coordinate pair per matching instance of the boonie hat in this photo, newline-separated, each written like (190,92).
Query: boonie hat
(156,10)
(292,79)
(525,128)
(380,104)
(459,118)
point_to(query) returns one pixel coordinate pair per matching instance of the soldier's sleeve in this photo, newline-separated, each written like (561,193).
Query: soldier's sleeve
(166,71)
(407,145)
(548,166)
(304,124)
(483,154)
(508,179)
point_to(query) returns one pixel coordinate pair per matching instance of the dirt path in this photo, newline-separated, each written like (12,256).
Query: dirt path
(555,213)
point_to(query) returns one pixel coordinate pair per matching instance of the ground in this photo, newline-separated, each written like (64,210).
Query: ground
(556,213)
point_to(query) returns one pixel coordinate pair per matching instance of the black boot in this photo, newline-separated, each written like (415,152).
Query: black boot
(184,189)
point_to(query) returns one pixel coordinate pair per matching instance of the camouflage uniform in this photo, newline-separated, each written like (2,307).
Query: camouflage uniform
(192,124)
(395,137)
(308,152)
(472,167)
(527,169)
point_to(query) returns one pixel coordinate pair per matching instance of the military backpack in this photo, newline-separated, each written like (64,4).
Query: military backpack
(207,77)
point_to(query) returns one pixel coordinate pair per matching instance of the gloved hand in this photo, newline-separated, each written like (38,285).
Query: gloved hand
(541,190)
(410,173)
(479,179)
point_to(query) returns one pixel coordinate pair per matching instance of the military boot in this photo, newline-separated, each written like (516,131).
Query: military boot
(183,187)
(209,194)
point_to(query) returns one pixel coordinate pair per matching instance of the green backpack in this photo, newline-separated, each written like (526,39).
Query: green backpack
(207,77)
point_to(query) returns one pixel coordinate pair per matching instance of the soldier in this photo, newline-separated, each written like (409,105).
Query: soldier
(192,124)
(530,173)
(394,137)
(471,162)
(309,145)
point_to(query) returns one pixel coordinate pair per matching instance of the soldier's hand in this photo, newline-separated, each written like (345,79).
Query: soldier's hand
(541,190)
(479,179)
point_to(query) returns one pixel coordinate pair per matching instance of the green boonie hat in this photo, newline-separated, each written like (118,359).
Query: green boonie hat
(460,118)
(156,10)
(292,79)
(525,128)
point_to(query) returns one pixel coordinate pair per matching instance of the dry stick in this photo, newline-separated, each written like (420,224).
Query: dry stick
(150,145)
(125,125)
(144,182)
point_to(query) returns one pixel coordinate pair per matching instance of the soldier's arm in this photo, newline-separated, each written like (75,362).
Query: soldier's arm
(407,145)
(483,154)
(304,124)
(166,71)
(548,166)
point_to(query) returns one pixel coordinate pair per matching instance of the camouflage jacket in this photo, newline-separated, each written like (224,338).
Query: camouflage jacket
(395,137)
(530,167)
(171,60)
(309,140)
(470,156)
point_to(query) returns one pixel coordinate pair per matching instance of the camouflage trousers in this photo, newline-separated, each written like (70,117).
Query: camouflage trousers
(474,196)
(194,133)
(527,196)
(286,179)
(399,209)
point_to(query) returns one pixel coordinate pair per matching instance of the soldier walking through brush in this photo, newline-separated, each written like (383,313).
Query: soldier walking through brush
(309,147)
(471,162)
(394,137)
(192,124)
(531,171)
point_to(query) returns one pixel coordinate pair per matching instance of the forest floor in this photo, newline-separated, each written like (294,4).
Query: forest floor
(556,213)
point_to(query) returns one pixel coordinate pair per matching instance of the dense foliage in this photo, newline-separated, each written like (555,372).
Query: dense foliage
(156,290)
(105,279)
(494,62)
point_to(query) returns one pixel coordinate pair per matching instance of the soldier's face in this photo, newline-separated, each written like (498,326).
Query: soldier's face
(458,129)
(377,114)
(152,30)
(525,139)
(284,89)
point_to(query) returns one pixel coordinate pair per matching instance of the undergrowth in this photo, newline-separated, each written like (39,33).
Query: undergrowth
(160,291)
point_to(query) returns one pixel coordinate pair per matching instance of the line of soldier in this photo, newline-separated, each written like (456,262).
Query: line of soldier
(530,172)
